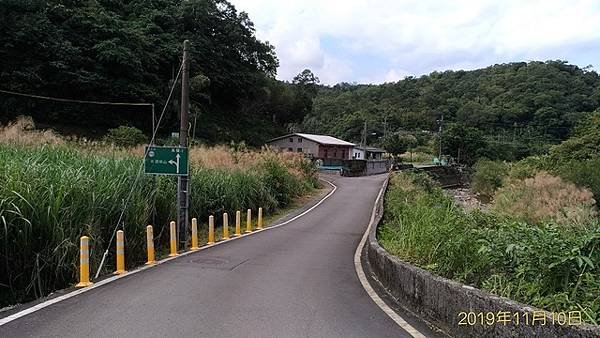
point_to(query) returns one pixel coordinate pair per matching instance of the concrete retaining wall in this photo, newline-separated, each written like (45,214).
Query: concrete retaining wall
(441,301)
(377,166)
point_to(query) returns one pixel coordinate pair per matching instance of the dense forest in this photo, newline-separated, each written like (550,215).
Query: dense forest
(116,50)
(130,51)
(505,111)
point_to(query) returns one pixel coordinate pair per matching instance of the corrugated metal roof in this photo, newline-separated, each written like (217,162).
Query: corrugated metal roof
(321,139)
(324,139)
(371,149)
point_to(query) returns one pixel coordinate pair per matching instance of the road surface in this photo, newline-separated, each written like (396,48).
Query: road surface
(297,280)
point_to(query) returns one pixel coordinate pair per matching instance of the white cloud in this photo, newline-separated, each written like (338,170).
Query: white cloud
(394,75)
(385,40)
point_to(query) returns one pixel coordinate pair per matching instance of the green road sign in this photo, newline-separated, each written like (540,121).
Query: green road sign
(166,160)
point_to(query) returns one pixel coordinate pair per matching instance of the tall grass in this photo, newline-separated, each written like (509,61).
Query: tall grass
(547,265)
(546,198)
(22,131)
(51,194)
(417,157)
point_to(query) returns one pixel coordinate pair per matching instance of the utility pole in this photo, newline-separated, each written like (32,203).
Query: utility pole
(384,126)
(441,124)
(183,182)
(153,176)
(364,136)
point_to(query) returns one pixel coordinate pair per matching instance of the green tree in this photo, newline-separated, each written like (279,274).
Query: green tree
(125,136)
(585,143)
(307,87)
(521,107)
(130,51)
(398,143)
(465,144)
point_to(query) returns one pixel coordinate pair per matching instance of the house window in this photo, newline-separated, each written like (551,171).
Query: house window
(291,140)
(335,154)
(299,139)
(325,153)
(290,149)
(299,150)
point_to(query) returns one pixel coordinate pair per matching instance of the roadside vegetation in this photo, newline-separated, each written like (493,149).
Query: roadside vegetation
(538,244)
(53,191)
(552,264)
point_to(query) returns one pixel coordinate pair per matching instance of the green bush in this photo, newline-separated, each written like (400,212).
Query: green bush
(488,176)
(280,182)
(125,136)
(546,266)
(583,145)
(577,148)
(583,173)
(529,167)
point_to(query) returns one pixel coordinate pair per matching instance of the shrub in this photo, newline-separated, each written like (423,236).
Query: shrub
(488,177)
(583,173)
(548,266)
(577,148)
(529,167)
(546,198)
(125,136)
(280,182)
(583,145)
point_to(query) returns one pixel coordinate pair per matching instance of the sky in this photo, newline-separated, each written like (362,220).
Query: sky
(377,41)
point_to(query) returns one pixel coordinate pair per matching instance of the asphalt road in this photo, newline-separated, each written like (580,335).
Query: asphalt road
(297,280)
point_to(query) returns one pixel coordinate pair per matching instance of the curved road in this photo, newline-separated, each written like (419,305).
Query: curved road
(297,280)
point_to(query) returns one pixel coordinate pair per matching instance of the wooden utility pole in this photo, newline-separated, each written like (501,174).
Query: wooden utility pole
(385,126)
(183,182)
(441,123)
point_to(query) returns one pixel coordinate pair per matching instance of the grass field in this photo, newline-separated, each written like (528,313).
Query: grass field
(53,191)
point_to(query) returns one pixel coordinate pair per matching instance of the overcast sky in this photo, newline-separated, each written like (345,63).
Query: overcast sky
(385,40)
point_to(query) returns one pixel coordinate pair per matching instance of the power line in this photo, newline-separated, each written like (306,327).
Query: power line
(140,169)
(76,101)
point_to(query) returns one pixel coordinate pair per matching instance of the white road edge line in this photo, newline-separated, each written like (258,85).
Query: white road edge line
(49,302)
(365,283)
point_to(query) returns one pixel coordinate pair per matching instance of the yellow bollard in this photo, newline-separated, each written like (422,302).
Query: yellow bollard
(249,221)
(173,240)
(238,221)
(225,226)
(194,234)
(211,230)
(84,262)
(120,253)
(259,224)
(150,245)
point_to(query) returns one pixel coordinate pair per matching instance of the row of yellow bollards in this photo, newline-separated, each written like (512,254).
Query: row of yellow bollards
(84,250)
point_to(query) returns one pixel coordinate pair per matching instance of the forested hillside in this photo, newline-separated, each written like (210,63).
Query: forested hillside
(503,111)
(130,51)
(116,50)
